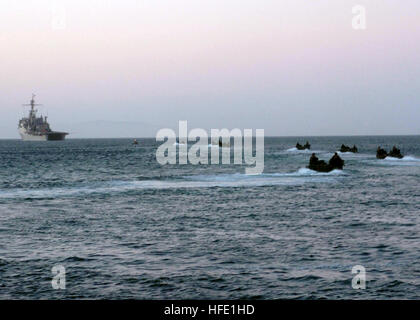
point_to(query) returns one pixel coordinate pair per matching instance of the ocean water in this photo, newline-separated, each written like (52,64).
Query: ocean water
(124,226)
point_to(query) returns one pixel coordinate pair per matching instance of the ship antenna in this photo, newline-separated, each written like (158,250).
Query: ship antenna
(33,101)
(32,104)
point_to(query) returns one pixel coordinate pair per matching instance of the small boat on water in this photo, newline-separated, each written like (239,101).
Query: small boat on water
(394,153)
(335,163)
(306,146)
(135,142)
(345,148)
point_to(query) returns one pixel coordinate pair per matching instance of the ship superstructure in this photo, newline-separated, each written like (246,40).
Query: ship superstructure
(33,128)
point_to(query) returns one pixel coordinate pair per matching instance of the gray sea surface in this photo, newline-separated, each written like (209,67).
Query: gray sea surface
(124,227)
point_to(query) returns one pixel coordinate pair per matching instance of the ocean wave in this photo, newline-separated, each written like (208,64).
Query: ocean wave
(406,161)
(302,172)
(303,175)
(308,172)
(310,151)
(406,158)
(356,156)
(294,149)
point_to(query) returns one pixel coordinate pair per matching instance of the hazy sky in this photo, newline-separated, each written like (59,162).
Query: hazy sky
(292,67)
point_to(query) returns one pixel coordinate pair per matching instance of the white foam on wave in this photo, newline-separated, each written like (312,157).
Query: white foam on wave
(104,188)
(408,161)
(309,172)
(406,158)
(300,151)
(351,155)
(267,177)
(299,177)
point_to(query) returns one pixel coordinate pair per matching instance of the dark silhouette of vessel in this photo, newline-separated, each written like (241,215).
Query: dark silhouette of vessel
(345,148)
(335,163)
(394,153)
(33,128)
(306,146)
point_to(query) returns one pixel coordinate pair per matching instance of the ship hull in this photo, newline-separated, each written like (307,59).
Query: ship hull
(51,136)
(56,136)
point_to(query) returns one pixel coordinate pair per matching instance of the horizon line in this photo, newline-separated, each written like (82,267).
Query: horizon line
(291,136)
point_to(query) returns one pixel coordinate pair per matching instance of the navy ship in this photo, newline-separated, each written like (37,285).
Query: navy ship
(35,128)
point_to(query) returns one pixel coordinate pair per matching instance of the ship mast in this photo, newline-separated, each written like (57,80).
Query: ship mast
(32,105)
